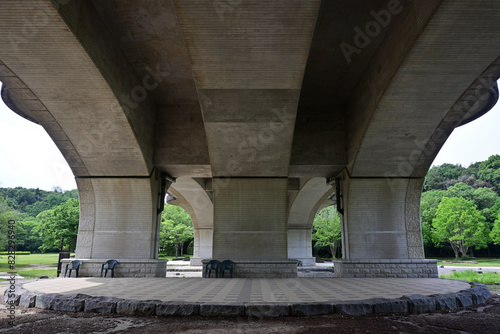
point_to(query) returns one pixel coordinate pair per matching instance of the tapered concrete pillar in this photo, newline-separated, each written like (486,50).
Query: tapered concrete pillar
(382,234)
(300,245)
(203,245)
(119,220)
(250,226)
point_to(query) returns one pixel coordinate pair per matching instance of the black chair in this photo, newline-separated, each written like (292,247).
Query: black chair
(75,265)
(227,265)
(108,265)
(214,266)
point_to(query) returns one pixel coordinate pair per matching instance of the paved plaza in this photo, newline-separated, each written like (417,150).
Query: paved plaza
(246,290)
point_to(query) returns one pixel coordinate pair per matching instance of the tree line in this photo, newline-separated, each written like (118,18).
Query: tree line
(43,218)
(460,212)
(460,208)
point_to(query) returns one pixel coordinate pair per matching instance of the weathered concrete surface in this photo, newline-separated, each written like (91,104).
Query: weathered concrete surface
(101,304)
(421,304)
(309,309)
(217,91)
(267,310)
(177,309)
(224,309)
(269,307)
(136,307)
(480,319)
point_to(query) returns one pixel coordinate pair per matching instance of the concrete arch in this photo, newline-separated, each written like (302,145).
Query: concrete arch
(312,195)
(305,205)
(62,81)
(191,196)
(424,101)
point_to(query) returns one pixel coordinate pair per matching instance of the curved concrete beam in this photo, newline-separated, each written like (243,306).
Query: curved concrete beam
(66,80)
(310,197)
(249,71)
(194,199)
(454,50)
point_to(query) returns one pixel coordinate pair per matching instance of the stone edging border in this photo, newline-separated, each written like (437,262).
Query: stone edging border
(478,294)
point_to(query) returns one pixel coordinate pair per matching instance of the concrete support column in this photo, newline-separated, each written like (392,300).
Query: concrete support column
(300,245)
(119,220)
(203,245)
(250,217)
(382,232)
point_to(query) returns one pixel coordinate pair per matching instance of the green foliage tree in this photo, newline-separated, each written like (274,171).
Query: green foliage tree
(472,169)
(495,209)
(428,207)
(28,237)
(34,201)
(327,229)
(6,214)
(438,175)
(459,224)
(177,214)
(484,198)
(175,234)
(489,171)
(176,228)
(495,231)
(461,190)
(59,222)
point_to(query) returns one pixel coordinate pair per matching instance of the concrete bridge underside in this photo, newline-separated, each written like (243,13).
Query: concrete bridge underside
(263,111)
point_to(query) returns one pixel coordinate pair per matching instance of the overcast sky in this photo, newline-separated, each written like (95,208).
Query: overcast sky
(30,159)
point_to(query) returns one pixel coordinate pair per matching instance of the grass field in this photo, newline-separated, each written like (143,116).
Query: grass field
(172,257)
(38,273)
(473,276)
(481,262)
(25,262)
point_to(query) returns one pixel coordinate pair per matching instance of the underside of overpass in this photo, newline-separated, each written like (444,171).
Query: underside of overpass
(262,112)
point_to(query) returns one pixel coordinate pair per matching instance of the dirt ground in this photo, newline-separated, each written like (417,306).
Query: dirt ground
(481,319)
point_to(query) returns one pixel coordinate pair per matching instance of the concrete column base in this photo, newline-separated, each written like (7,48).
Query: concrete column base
(262,268)
(195,261)
(404,268)
(124,268)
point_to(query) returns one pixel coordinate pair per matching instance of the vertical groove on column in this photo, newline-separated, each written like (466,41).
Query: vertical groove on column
(412,220)
(86,223)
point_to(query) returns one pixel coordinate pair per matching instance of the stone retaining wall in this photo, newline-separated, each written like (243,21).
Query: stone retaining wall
(111,305)
(262,268)
(124,268)
(399,268)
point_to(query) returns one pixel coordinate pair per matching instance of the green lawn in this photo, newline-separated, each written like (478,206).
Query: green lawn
(25,262)
(473,276)
(481,262)
(172,257)
(38,273)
